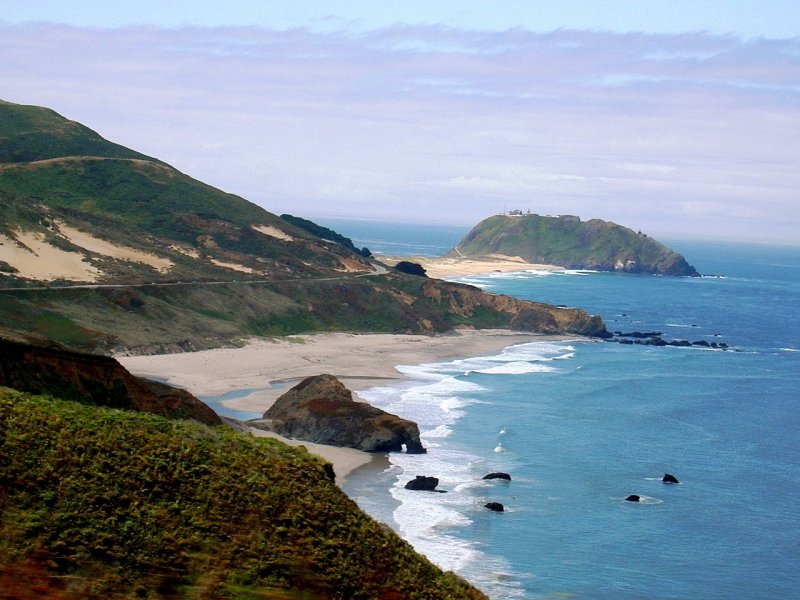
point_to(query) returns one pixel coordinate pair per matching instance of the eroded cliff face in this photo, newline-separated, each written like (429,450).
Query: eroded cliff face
(524,315)
(39,366)
(321,409)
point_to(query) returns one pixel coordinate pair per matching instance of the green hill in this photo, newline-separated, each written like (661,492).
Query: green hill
(568,242)
(57,176)
(34,133)
(169,263)
(103,503)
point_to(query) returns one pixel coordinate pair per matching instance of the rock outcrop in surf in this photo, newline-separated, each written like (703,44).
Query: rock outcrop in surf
(321,409)
(498,475)
(422,483)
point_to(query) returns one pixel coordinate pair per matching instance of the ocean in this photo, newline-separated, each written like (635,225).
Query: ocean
(580,425)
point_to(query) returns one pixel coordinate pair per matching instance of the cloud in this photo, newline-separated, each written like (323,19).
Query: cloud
(665,133)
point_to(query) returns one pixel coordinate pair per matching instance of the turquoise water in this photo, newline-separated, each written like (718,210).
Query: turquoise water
(581,425)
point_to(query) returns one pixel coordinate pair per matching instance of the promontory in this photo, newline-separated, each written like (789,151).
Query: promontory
(567,241)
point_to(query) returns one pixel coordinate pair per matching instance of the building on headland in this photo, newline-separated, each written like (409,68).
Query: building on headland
(518,213)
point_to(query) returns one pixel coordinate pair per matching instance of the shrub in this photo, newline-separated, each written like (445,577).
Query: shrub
(410,268)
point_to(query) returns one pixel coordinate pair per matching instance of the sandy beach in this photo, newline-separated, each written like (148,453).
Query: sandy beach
(441,267)
(358,360)
(272,366)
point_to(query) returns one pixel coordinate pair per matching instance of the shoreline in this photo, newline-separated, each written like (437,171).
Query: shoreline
(360,361)
(441,267)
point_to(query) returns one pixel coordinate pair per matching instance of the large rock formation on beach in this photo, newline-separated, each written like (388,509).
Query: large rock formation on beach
(36,365)
(566,241)
(321,409)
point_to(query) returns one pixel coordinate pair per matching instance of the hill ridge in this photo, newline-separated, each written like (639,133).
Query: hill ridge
(77,208)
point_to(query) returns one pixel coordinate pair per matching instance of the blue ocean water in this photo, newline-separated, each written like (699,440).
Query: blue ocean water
(580,425)
(398,239)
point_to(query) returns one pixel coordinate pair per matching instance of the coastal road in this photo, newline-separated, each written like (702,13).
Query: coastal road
(379,270)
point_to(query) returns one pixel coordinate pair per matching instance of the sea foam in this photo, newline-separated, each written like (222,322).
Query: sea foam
(437,395)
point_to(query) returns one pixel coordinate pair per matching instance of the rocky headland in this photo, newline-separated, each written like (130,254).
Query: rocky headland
(567,241)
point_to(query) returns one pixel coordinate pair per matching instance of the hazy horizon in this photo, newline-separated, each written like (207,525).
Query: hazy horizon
(677,123)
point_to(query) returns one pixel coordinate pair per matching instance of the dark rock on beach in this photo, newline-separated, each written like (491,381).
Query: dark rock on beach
(321,409)
(494,506)
(668,478)
(423,483)
(498,475)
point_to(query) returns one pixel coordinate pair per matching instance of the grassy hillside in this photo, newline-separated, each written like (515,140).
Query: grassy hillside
(154,319)
(569,242)
(30,133)
(99,503)
(54,171)
(178,264)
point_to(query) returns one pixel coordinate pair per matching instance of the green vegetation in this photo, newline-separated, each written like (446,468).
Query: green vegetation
(237,269)
(175,318)
(410,268)
(29,133)
(99,503)
(324,233)
(53,170)
(569,242)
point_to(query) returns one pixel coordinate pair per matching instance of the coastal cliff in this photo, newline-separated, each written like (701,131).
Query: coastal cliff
(103,503)
(567,241)
(321,409)
(117,487)
(39,366)
(522,315)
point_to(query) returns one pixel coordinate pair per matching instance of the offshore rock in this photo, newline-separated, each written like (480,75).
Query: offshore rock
(657,340)
(668,478)
(633,498)
(40,366)
(423,483)
(498,475)
(494,506)
(321,409)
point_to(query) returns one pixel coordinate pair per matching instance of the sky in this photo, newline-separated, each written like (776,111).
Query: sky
(679,119)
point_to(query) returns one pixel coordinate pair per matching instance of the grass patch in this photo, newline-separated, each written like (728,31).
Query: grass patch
(105,503)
